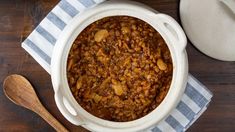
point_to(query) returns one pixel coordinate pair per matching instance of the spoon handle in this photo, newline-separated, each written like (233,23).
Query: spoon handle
(41,111)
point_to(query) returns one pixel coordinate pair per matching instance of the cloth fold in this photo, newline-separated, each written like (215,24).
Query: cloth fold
(39,44)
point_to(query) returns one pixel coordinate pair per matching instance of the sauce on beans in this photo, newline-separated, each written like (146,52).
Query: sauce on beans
(119,68)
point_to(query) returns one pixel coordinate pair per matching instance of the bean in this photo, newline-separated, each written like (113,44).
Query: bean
(162,66)
(101,34)
(125,30)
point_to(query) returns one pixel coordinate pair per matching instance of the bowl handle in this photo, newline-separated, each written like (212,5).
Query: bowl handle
(173,29)
(66,109)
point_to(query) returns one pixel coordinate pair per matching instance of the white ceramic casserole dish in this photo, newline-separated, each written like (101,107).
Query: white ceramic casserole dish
(164,24)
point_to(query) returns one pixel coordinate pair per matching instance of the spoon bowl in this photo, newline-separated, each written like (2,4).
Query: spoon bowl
(20,91)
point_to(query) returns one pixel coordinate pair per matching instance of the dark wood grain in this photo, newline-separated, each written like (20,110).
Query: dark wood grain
(19,17)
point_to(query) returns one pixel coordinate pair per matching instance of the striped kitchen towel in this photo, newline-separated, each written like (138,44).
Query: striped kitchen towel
(41,41)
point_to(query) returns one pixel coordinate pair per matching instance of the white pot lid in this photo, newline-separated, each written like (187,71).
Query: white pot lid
(210,26)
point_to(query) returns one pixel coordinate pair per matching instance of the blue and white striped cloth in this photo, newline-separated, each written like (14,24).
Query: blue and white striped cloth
(41,41)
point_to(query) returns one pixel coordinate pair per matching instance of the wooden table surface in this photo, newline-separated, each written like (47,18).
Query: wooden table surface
(19,17)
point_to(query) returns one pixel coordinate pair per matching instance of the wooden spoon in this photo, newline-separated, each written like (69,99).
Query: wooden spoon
(19,90)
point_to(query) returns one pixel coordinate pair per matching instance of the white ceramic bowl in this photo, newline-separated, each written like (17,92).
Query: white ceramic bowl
(164,24)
